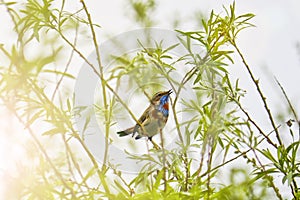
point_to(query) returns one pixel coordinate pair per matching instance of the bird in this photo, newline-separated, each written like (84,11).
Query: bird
(154,118)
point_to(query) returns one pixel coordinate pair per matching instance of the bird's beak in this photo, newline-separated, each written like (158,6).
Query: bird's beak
(170,91)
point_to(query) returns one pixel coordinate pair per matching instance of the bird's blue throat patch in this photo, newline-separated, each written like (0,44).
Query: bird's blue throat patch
(162,108)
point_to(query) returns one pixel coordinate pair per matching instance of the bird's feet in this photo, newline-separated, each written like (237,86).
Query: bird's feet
(155,146)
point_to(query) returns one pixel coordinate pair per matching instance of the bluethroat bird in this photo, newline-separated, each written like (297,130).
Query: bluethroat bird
(154,118)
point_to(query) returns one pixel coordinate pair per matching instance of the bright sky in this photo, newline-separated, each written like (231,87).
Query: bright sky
(270,46)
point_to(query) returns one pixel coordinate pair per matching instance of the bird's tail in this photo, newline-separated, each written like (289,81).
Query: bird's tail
(126,132)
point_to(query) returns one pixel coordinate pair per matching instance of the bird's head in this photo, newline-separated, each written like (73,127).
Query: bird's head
(161,98)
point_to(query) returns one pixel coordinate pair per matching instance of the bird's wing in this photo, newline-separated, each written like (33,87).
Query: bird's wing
(144,119)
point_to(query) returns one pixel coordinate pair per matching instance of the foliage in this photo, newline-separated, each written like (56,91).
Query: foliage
(218,125)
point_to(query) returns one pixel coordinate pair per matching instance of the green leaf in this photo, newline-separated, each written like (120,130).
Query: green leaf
(8,3)
(53,131)
(86,123)
(35,117)
(120,187)
(58,72)
(222,69)
(288,177)
(204,25)
(248,16)
(198,78)
(158,179)
(268,154)
(170,48)
(90,173)
(69,105)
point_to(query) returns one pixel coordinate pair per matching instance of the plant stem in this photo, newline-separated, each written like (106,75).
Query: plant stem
(44,152)
(255,124)
(164,160)
(263,98)
(290,105)
(105,104)
(60,114)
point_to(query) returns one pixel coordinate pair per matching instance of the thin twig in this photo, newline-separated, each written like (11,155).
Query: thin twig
(103,84)
(66,68)
(255,124)
(163,160)
(262,168)
(240,155)
(263,98)
(60,114)
(70,154)
(71,55)
(43,150)
(290,104)
(209,164)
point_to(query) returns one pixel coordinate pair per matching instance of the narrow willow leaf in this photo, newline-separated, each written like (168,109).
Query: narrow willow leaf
(53,131)
(120,187)
(58,72)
